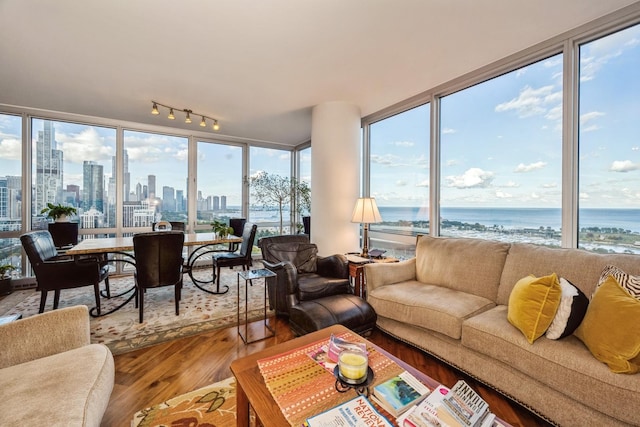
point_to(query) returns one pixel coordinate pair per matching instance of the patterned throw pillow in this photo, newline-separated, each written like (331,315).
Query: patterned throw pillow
(628,282)
(573,306)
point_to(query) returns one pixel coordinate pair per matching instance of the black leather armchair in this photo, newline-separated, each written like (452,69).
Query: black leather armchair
(301,275)
(56,272)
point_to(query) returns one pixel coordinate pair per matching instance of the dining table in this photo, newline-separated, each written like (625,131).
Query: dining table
(201,244)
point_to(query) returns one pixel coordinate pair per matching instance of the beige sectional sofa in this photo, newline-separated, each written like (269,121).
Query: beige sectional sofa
(451,301)
(50,375)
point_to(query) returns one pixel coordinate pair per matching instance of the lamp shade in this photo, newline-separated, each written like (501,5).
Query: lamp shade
(366,211)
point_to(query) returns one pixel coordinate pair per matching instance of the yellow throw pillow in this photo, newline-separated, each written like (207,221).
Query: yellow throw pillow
(533,304)
(611,328)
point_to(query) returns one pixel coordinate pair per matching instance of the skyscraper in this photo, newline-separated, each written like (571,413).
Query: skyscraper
(49,173)
(92,186)
(168,199)
(151,182)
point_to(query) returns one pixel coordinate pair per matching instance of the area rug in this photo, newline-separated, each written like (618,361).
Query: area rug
(213,405)
(121,332)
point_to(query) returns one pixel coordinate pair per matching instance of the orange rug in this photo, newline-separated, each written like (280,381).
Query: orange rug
(213,405)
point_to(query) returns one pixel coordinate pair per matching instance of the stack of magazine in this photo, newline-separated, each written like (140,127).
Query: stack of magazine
(459,406)
(399,393)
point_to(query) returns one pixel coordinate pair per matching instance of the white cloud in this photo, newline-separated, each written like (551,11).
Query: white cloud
(451,162)
(586,118)
(503,195)
(403,143)
(472,178)
(424,183)
(11,148)
(448,130)
(530,102)
(530,167)
(512,184)
(602,50)
(584,196)
(535,196)
(386,159)
(635,148)
(401,183)
(86,145)
(551,185)
(624,166)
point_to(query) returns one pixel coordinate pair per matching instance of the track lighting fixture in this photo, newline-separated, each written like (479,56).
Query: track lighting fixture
(188,113)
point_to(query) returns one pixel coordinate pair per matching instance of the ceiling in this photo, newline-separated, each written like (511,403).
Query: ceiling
(258,66)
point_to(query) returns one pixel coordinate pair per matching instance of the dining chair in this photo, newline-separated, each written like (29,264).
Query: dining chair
(242,257)
(168,225)
(55,272)
(158,256)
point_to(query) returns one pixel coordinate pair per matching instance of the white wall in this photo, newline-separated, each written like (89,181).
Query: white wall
(335,176)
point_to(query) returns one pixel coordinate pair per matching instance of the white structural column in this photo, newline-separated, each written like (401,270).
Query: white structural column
(335,176)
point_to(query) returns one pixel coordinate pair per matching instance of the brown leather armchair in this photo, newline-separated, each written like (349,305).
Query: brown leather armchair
(301,275)
(56,272)
(313,291)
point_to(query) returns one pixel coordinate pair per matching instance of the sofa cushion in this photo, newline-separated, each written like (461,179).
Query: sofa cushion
(533,304)
(628,282)
(432,307)
(468,265)
(580,267)
(69,388)
(563,365)
(611,328)
(571,311)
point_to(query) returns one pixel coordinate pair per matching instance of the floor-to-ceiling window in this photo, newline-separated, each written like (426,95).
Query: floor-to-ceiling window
(304,201)
(155,168)
(269,212)
(609,143)
(501,157)
(73,164)
(10,190)
(399,169)
(219,192)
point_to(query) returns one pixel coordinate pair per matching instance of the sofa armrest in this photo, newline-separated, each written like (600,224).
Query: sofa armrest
(379,274)
(44,335)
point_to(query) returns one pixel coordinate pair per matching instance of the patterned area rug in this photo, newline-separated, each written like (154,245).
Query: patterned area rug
(121,332)
(213,405)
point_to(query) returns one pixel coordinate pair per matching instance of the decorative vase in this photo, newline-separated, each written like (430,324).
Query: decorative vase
(62,218)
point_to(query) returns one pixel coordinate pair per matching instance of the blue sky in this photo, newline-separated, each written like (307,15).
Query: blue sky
(502,139)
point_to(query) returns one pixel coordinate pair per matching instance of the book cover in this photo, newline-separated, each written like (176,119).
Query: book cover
(425,414)
(357,412)
(399,393)
(321,357)
(465,405)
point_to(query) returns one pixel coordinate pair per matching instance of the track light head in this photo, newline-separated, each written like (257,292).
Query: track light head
(216,126)
(155,111)
(188,118)
(171,116)
(202,122)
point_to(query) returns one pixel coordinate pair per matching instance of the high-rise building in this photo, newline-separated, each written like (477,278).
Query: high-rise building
(168,199)
(180,206)
(216,203)
(92,186)
(151,182)
(223,203)
(49,169)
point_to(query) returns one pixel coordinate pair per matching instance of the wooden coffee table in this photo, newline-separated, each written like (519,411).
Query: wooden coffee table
(251,390)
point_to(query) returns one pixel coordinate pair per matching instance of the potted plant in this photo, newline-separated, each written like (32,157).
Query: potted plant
(5,278)
(59,212)
(221,228)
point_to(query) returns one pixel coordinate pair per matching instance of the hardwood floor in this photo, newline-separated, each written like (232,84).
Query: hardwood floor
(151,375)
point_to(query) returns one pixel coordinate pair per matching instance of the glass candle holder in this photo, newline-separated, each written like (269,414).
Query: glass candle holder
(352,366)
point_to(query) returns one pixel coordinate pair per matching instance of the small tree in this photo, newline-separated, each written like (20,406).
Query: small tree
(279,191)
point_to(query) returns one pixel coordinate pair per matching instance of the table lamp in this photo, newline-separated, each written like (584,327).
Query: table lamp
(366,212)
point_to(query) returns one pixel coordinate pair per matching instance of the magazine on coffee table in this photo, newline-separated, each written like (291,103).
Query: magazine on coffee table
(355,412)
(399,393)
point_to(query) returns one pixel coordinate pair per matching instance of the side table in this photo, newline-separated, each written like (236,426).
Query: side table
(249,276)
(356,272)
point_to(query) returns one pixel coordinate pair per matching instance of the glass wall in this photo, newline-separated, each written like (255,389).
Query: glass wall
(10,190)
(399,169)
(271,209)
(73,164)
(609,143)
(219,182)
(501,157)
(155,178)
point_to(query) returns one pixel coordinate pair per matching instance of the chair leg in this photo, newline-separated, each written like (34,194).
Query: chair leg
(107,287)
(43,300)
(56,298)
(141,305)
(218,279)
(177,297)
(96,291)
